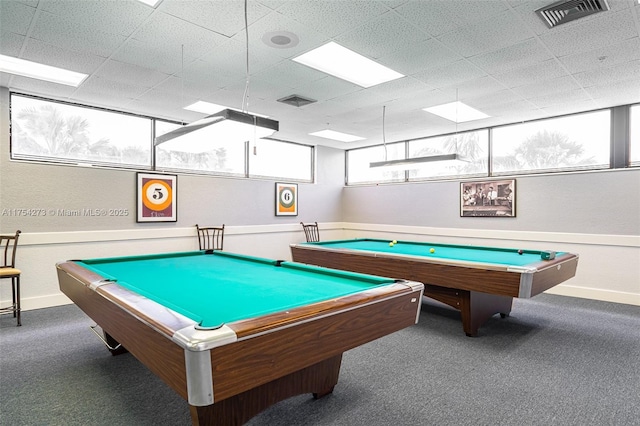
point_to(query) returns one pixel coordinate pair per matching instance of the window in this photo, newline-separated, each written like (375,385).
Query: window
(580,141)
(358,161)
(222,158)
(46,130)
(634,143)
(470,145)
(42,129)
(270,158)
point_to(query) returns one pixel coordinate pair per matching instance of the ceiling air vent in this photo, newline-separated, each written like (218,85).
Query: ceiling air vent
(296,100)
(566,11)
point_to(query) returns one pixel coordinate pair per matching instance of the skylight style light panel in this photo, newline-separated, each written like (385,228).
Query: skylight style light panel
(151,3)
(39,71)
(337,136)
(346,64)
(457,112)
(211,108)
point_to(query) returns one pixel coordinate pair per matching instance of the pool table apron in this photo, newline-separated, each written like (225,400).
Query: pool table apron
(260,365)
(478,291)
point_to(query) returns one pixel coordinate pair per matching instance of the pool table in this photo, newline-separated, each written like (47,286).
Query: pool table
(478,281)
(234,334)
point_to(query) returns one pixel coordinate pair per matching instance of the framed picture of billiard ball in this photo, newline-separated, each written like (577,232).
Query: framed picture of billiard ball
(286,199)
(493,198)
(156,197)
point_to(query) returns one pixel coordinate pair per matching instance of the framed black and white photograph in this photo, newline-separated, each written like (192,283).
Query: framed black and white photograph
(494,198)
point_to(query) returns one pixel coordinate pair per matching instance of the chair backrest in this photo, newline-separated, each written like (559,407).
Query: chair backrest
(9,246)
(210,238)
(311,232)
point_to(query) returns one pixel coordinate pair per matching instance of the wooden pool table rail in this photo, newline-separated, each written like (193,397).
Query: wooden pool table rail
(270,359)
(477,292)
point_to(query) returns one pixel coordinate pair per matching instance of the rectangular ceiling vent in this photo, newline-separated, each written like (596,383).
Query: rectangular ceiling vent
(296,100)
(565,11)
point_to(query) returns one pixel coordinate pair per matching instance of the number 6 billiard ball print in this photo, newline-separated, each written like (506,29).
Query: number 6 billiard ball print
(286,197)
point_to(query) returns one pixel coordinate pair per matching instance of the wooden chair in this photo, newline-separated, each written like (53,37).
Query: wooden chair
(210,238)
(9,246)
(311,232)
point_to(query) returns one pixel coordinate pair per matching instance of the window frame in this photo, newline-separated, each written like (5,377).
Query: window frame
(152,165)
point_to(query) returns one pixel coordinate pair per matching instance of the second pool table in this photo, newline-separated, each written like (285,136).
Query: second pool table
(478,281)
(234,334)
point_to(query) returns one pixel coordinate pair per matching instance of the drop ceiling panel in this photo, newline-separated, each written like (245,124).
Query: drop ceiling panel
(153,55)
(466,13)
(626,71)
(101,86)
(168,33)
(308,38)
(45,53)
(433,20)
(486,36)
(39,87)
(131,74)
(15,17)
(535,73)
(228,16)
(325,88)
(475,88)
(522,54)
(413,58)
(561,98)
(290,74)
(382,36)
(11,44)
(554,85)
(69,34)
(105,16)
(603,58)
(589,33)
(338,17)
(451,74)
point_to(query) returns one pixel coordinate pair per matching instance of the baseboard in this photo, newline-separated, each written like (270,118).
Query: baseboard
(561,290)
(40,302)
(596,294)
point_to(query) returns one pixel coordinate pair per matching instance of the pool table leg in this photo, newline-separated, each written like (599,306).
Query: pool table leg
(318,379)
(476,309)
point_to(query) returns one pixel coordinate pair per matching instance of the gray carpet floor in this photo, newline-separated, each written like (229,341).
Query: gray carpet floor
(555,361)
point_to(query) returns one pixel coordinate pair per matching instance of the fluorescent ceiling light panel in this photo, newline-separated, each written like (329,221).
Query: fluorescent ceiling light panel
(346,64)
(205,107)
(211,108)
(38,71)
(456,112)
(151,3)
(336,136)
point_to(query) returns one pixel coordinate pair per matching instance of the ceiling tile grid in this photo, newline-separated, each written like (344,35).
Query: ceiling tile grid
(496,55)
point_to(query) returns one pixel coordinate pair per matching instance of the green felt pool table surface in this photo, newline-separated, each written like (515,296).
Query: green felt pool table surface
(479,254)
(217,288)
(478,281)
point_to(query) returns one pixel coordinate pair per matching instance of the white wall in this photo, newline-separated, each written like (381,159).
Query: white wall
(596,215)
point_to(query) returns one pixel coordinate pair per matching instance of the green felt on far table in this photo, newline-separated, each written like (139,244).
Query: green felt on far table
(213,289)
(499,256)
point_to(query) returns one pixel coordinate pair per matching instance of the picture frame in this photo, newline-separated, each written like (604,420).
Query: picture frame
(491,198)
(156,197)
(286,199)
